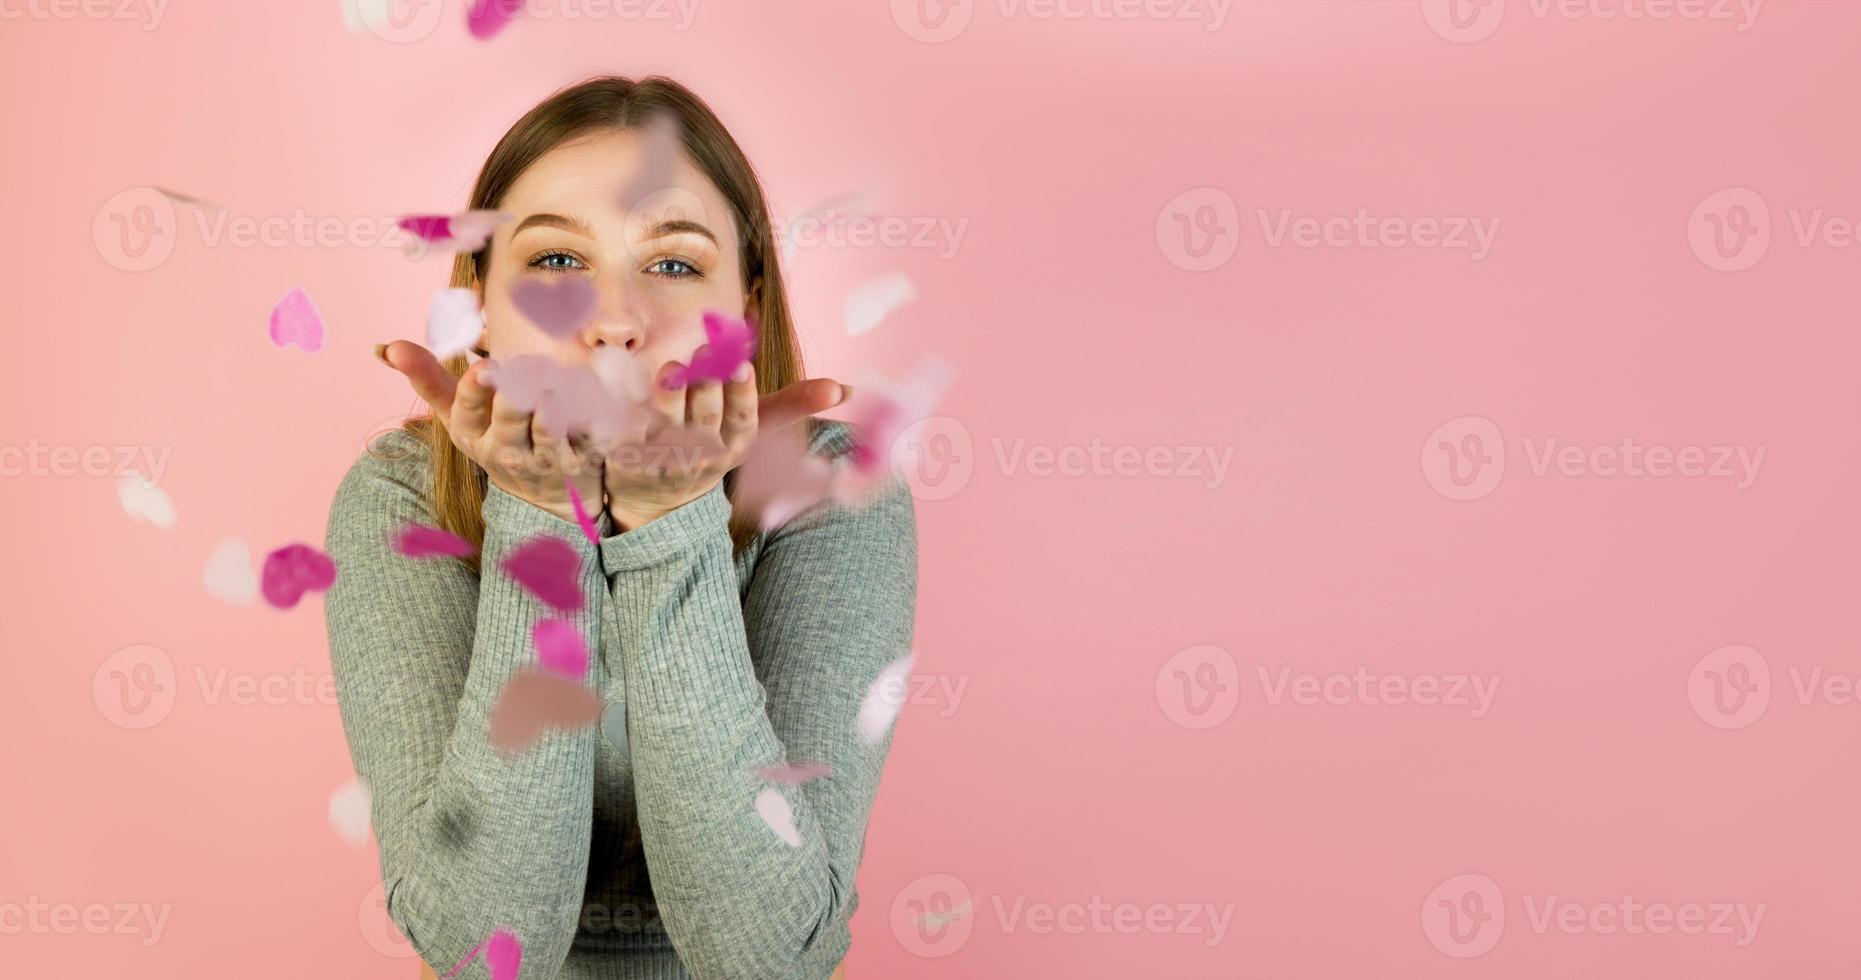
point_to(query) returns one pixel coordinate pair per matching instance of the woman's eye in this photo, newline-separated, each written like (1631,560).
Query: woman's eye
(672,268)
(549,261)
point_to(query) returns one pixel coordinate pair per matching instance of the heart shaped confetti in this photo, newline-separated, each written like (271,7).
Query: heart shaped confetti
(486,18)
(870,302)
(349,806)
(560,649)
(884,699)
(503,955)
(144,501)
(659,150)
(445,234)
(419,541)
(296,322)
(730,343)
(568,397)
(229,577)
(582,518)
(534,701)
(453,323)
(549,569)
(773,807)
(778,479)
(560,309)
(878,414)
(794,774)
(293,570)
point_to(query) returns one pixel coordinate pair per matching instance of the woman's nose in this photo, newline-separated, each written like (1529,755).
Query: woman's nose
(615,324)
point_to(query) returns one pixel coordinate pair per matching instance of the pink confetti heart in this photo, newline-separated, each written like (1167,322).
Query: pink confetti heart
(534,701)
(453,322)
(794,774)
(559,648)
(779,479)
(503,955)
(293,570)
(659,151)
(549,568)
(486,18)
(731,343)
(879,413)
(589,531)
(295,321)
(568,397)
(420,541)
(772,806)
(444,234)
(884,699)
(560,309)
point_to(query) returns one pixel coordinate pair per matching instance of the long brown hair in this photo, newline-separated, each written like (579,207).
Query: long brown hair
(457,484)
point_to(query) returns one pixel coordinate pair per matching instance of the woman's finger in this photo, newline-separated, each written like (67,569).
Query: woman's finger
(471,408)
(781,409)
(431,381)
(667,401)
(740,410)
(510,425)
(704,406)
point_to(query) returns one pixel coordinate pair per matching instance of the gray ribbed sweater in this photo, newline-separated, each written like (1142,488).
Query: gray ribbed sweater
(651,863)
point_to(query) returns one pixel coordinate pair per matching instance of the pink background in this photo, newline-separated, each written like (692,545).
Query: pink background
(1074,767)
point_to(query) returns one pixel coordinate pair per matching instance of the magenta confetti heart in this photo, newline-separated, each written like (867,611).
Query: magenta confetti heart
(559,309)
(732,342)
(420,541)
(291,571)
(559,648)
(589,531)
(549,569)
(794,774)
(441,234)
(295,320)
(486,18)
(503,955)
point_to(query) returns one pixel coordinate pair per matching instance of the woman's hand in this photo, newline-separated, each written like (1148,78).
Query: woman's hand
(521,457)
(697,434)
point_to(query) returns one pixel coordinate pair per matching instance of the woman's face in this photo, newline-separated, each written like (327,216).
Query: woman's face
(655,267)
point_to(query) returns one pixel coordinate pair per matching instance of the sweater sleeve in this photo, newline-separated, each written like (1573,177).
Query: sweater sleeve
(720,684)
(469,840)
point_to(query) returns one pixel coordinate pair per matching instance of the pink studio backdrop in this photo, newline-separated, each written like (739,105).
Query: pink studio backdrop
(1475,596)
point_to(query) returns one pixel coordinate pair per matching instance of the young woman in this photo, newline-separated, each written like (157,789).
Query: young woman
(634,848)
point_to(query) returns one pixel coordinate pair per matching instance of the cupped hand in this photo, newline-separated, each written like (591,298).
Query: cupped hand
(518,455)
(698,433)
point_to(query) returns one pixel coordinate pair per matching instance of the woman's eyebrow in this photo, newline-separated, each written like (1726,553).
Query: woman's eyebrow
(665,228)
(575,225)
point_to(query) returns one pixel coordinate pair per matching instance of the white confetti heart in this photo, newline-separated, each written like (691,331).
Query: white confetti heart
(614,725)
(349,807)
(453,322)
(229,577)
(870,302)
(772,806)
(884,699)
(144,501)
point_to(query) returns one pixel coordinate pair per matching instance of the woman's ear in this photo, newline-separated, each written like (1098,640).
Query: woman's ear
(753,301)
